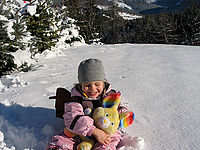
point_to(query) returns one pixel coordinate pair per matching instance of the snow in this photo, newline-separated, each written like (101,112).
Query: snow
(151,1)
(32,9)
(123,5)
(160,82)
(129,16)
(102,7)
(10,30)
(118,3)
(23,57)
(3,18)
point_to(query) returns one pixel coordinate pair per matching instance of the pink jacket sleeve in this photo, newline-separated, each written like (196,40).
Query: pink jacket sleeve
(84,125)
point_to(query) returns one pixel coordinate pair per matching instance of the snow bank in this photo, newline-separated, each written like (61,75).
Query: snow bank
(22,57)
(9,81)
(49,54)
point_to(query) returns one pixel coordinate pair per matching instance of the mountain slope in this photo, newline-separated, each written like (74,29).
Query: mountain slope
(151,6)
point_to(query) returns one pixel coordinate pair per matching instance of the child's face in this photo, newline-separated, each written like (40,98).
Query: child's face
(93,89)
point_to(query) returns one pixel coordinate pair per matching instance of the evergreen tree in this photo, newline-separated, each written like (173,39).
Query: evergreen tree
(164,30)
(190,25)
(114,17)
(197,26)
(175,34)
(87,20)
(6,59)
(19,32)
(6,44)
(3,11)
(73,9)
(135,29)
(4,38)
(41,25)
(6,62)
(148,31)
(86,15)
(114,26)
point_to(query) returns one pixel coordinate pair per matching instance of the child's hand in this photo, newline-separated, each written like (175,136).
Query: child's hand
(102,137)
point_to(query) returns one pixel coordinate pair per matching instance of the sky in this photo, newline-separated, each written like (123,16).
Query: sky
(160,82)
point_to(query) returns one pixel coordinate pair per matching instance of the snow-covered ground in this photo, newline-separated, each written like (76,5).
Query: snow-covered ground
(160,82)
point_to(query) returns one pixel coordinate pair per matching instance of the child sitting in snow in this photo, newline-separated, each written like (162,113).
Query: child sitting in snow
(90,91)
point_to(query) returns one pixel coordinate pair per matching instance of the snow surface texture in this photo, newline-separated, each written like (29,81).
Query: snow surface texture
(160,82)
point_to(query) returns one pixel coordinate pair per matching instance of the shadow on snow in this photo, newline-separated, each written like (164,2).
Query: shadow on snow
(34,126)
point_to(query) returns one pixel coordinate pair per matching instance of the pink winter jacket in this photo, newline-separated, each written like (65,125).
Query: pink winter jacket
(82,125)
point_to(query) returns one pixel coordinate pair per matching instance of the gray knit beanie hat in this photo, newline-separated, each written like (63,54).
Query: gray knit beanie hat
(91,70)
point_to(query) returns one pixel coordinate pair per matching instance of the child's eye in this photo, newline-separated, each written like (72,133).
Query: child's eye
(112,123)
(97,84)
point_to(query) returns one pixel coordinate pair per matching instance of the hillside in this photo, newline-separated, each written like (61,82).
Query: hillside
(151,6)
(160,83)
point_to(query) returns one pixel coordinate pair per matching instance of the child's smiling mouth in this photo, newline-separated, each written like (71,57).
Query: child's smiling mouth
(92,94)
